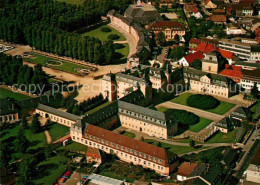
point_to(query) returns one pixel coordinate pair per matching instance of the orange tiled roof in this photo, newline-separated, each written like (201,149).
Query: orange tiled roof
(218,18)
(186,168)
(197,55)
(232,71)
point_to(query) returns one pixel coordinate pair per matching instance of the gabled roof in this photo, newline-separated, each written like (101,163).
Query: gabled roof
(218,18)
(186,168)
(195,41)
(162,25)
(226,54)
(205,48)
(197,55)
(232,71)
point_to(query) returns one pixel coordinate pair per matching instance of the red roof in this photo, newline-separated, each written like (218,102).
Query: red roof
(232,71)
(197,55)
(257,32)
(195,41)
(186,168)
(226,54)
(205,47)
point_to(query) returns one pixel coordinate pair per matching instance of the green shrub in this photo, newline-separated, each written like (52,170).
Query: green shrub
(184,117)
(118,46)
(113,37)
(204,102)
(106,29)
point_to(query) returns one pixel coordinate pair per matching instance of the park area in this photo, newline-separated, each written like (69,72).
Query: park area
(201,124)
(6,93)
(58,64)
(221,109)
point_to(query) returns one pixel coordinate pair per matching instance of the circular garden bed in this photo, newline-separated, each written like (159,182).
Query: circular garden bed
(204,102)
(53,63)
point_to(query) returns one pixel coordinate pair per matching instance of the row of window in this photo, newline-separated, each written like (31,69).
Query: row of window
(125,155)
(7,118)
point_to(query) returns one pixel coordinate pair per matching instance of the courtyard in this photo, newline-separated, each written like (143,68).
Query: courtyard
(221,109)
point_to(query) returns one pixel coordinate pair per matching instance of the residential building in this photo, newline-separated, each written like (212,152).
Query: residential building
(218,19)
(250,78)
(189,59)
(195,42)
(127,149)
(242,50)
(185,170)
(208,4)
(168,28)
(234,30)
(233,72)
(56,115)
(198,174)
(206,83)
(145,120)
(167,3)
(191,9)
(93,155)
(210,63)
(225,125)
(8,111)
(252,173)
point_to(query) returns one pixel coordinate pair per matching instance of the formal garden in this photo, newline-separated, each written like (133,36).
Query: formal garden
(187,120)
(57,64)
(6,93)
(203,102)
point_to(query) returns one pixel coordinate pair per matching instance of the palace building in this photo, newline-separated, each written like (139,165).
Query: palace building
(127,149)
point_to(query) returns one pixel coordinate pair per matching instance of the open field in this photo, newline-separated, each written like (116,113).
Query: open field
(203,122)
(173,148)
(75,2)
(57,131)
(65,66)
(220,137)
(221,109)
(97,33)
(4,93)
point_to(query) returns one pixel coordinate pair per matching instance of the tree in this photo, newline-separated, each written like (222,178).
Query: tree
(197,64)
(36,125)
(192,143)
(24,123)
(4,157)
(161,40)
(26,170)
(254,90)
(177,38)
(21,142)
(177,53)
(159,144)
(48,151)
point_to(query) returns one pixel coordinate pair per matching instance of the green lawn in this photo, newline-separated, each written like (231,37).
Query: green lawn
(129,134)
(221,109)
(124,51)
(75,2)
(220,137)
(51,170)
(173,148)
(4,93)
(194,128)
(97,108)
(200,125)
(57,131)
(97,33)
(75,147)
(65,66)
(255,110)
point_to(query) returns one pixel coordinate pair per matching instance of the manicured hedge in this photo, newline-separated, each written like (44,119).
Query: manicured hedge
(106,29)
(183,116)
(204,102)
(118,46)
(113,37)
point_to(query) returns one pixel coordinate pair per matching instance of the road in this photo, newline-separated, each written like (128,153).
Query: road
(200,113)
(247,147)
(132,42)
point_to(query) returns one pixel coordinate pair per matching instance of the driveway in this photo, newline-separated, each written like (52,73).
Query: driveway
(132,42)
(200,113)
